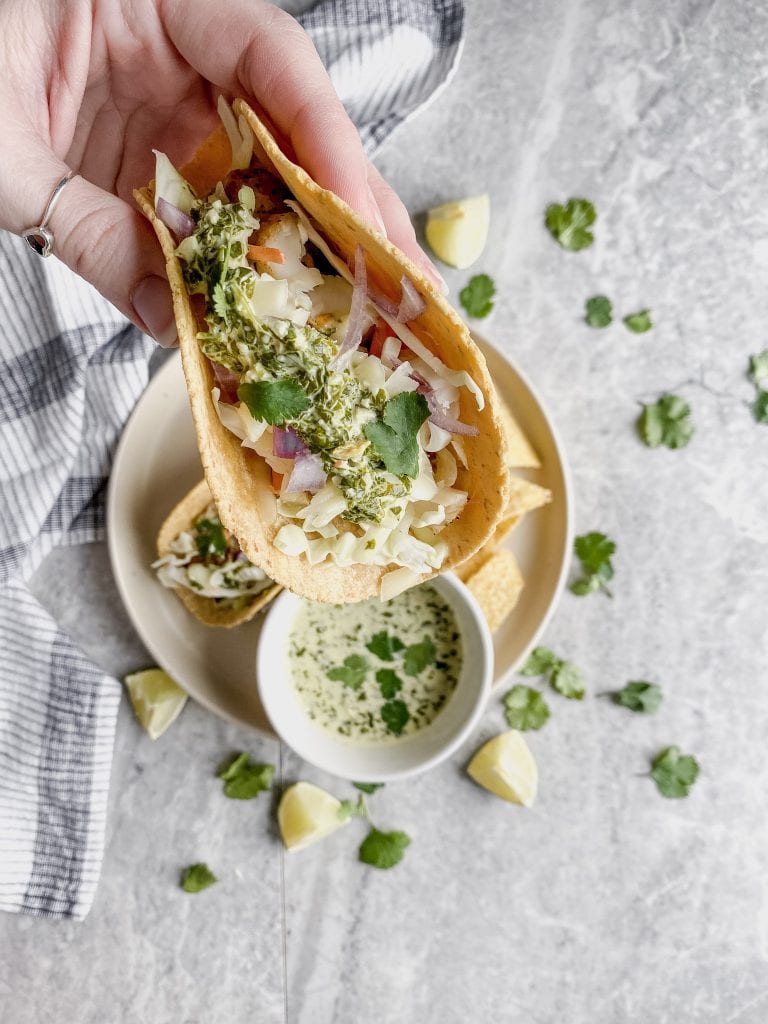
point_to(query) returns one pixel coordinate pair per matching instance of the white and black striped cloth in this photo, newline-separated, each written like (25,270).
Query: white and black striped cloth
(71,370)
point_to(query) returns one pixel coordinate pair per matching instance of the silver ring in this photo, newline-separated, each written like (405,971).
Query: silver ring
(40,237)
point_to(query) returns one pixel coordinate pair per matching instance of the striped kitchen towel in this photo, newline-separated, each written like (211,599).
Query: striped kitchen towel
(71,370)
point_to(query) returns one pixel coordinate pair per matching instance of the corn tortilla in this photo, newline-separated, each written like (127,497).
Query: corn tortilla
(209,611)
(240,481)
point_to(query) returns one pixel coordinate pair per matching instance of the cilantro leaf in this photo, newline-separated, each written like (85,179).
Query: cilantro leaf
(639,696)
(760,407)
(666,422)
(525,708)
(219,302)
(594,551)
(389,682)
(477,296)
(383,849)
(210,539)
(353,808)
(394,438)
(567,679)
(674,773)
(244,779)
(197,877)
(352,673)
(539,661)
(275,401)
(418,657)
(395,715)
(569,225)
(385,646)
(758,368)
(598,311)
(368,787)
(639,322)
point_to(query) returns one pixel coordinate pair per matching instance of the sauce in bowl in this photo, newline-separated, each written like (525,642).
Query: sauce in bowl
(374,672)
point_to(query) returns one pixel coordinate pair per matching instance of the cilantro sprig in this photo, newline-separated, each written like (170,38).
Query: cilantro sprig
(758,374)
(674,772)
(210,539)
(525,708)
(243,778)
(383,849)
(598,311)
(352,673)
(395,715)
(639,322)
(562,675)
(569,225)
(594,550)
(393,437)
(477,296)
(389,682)
(275,401)
(418,657)
(384,646)
(197,877)
(640,696)
(666,422)
(368,787)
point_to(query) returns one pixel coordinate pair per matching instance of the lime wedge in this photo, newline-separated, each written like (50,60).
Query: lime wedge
(457,231)
(307,813)
(505,767)
(156,699)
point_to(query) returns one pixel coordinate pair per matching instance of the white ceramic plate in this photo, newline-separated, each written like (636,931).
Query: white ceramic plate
(157,463)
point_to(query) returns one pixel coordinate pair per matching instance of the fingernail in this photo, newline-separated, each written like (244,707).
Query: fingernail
(151,300)
(376,212)
(432,271)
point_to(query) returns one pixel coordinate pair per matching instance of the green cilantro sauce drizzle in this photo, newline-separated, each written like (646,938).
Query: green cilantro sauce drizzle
(331,638)
(272,349)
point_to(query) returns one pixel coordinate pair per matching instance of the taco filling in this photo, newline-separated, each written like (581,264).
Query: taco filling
(206,560)
(322,378)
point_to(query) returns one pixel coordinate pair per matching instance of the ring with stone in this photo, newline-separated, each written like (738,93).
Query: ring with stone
(40,237)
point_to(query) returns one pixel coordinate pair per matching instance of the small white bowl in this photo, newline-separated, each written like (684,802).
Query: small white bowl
(392,760)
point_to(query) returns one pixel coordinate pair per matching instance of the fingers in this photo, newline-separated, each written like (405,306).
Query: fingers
(108,243)
(276,64)
(399,228)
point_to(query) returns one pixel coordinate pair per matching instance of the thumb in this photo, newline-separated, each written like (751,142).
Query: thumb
(108,243)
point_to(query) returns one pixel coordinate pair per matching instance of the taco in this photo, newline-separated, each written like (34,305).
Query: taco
(202,562)
(347,425)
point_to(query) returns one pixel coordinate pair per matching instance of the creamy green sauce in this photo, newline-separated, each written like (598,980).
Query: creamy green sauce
(380,695)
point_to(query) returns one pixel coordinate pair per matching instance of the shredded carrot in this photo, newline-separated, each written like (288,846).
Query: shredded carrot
(265,254)
(381,332)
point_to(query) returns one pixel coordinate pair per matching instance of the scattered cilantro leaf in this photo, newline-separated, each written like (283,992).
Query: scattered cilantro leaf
(598,311)
(219,302)
(197,877)
(353,808)
(385,646)
(639,696)
(244,779)
(539,661)
(567,679)
(389,682)
(758,368)
(383,849)
(210,539)
(666,422)
(368,787)
(639,322)
(477,296)
(525,708)
(569,225)
(275,401)
(394,438)
(674,772)
(594,551)
(395,715)
(760,407)
(418,657)
(352,673)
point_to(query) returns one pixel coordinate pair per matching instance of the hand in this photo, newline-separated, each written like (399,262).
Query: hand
(95,85)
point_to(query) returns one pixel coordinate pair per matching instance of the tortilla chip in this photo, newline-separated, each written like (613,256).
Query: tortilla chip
(239,480)
(209,611)
(497,586)
(524,496)
(520,454)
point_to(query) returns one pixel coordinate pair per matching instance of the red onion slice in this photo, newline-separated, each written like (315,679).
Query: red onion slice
(388,306)
(227,383)
(286,444)
(307,474)
(181,224)
(354,332)
(439,418)
(411,304)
